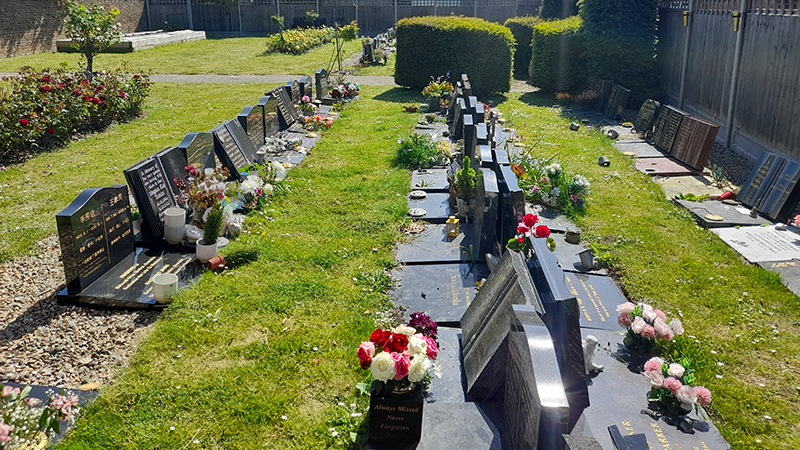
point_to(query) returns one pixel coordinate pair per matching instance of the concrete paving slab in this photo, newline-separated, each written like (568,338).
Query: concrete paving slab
(663,167)
(692,184)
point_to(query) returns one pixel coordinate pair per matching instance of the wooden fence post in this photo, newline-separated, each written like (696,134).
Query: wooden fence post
(685,61)
(737,59)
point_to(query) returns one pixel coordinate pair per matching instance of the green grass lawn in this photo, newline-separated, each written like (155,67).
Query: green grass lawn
(383,70)
(228,56)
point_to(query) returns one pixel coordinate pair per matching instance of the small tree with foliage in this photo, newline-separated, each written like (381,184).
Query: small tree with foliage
(92,30)
(279,22)
(311,17)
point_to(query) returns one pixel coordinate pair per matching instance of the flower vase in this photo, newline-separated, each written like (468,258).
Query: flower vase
(635,343)
(463,208)
(395,419)
(205,251)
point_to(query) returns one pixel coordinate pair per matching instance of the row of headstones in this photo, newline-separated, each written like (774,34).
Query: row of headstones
(372,45)
(686,138)
(609,98)
(521,345)
(96,229)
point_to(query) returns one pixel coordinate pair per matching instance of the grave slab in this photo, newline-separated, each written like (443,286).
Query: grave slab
(732,215)
(618,396)
(567,254)
(639,148)
(436,205)
(555,220)
(761,244)
(430,180)
(40,393)
(433,246)
(663,167)
(598,298)
(443,291)
(693,184)
(449,388)
(789,272)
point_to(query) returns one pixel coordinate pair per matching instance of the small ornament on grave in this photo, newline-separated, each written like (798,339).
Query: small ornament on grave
(603,161)
(631,154)
(589,346)
(414,228)
(574,126)
(417,212)
(453,227)
(714,218)
(672,392)
(418,195)
(645,324)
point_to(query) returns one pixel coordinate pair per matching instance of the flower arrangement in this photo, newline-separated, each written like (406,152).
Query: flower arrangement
(645,324)
(201,190)
(345,91)
(24,420)
(317,122)
(672,388)
(306,104)
(439,89)
(526,230)
(401,357)
(259,185)
(545,181)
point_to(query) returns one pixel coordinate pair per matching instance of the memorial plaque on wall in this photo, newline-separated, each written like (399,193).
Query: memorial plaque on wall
(269,107)
(95,232)
(252,121)
(647,116)
(783,193)
(153,192)
(228,151)
(701,139)
(199,149)
(759,179)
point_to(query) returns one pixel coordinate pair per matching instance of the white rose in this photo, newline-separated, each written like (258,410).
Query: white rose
(654,377)
(625,308)
(637,325)
(687,397)
(267,189)
(382,367)
(649,315)
(417,369)
(417,346)
(676,370)
(677,326)
(403,329)
(662,329)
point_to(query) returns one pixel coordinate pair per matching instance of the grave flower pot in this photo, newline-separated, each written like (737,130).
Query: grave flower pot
(463,208)
(395,419)
(205,251)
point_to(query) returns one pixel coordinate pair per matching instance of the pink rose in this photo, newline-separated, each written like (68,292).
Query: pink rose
(365,353)
(624,320)
(6,391)
(660,314)
(401,365)
(433,349)
(677,326)
(673,384)
(649,315)
(648,331)
(625,308)
(5,431)
(654,363)
(662,329)
(669,336)
(638,325)
(654,377)
(703,395)
(676,370)
(686,396)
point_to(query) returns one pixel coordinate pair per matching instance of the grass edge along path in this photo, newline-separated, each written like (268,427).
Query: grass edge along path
(741,322)
(263,356)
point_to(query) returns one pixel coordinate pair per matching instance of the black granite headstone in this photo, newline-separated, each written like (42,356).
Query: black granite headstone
(487,207)
(466,88)
(482,133)
(499,158)
(512,204)
(480,113)
(760,179)
(154,192)
(287,114)
(241,138)
(647,116)
(321,86)
(783,194)
(617,102)
(469,135)
(228,151)
(252,120)
(199,149)
(609,103)
(173,160)
(451,106)
(457,127)
(536,408)
(307,87)
(293,90)
(269,107)
(95,232)
(472,104)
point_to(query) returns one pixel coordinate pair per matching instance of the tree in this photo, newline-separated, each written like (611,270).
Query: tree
(92,30)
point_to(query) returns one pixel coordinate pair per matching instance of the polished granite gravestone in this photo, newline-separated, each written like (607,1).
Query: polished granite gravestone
(616,102)
(472,104)
(482,132)
(555,220)
(450,386)
(603,92)
(269,107)
(716,214)
(457,126)
(293,90)
(487,158)
(562,316)
(480,114)
(229,152)
(443,291)
(486,213)
(639,149)
(469,136)
(760,178)
(436,206)
(762,244)
(252,121)
(154,193)
(288,117)
(694,141)
(789,272)
(567,254)
(199,149)
(581,443)
(667,125)
(647,116)
(618,397)
(512,204)
(173,160)
(598,297)
(430,180)
(433,246)
(535,404)
(780,199)
(322,87)
(307,87)
(663,167)
(451,104)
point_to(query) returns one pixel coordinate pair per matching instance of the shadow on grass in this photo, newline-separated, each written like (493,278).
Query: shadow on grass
(399,95)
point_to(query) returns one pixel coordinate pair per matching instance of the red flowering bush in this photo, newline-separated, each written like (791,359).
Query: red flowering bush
(45,109)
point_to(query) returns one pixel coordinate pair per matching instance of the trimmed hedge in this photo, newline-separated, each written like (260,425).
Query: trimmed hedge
(558,9)
(433,46)
(620,37)
(556,55)
(522,29)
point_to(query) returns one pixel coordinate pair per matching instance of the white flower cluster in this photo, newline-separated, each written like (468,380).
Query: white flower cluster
(553,169)
(552,198)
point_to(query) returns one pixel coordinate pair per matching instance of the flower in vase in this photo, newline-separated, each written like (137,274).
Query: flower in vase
(672,384)
(383,367)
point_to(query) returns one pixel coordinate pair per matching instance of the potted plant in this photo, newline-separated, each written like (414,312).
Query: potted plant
(207,247)
(437,92)
(307,106)
(464,188)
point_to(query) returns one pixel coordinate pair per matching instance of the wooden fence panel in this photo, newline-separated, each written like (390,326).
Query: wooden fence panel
(672,35)
(168,14)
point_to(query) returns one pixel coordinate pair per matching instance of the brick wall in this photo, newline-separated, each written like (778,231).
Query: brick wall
(31,26)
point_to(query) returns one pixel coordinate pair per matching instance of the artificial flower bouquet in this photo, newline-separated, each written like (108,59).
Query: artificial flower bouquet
(317,122)
(545,181)
(306,104)
(25,421)
(645,325)
(526,230)
(401,357)
(672,389)
(345,91)
(258,186)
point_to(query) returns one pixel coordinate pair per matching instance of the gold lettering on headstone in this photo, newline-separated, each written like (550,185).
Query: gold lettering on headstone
(580,300)
(127,279)
(453,290)
(593,300)
(600,301)
(628,428)
(662,440)
(469,300)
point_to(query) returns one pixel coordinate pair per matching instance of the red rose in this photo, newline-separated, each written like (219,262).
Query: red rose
(46,79)
(380,337)
(522,229)
(51,131)
(45,88)
(61,85)
(98,88)
(520,239)
(76,92)
(85,82)
(136,76)
(121,94)
(530,220)
(542,231)
(23,122)
(95,100)
(397,343)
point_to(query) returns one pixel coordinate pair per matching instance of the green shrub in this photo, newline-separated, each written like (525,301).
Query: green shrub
(45,109)
(349,32)
(556,50)
(619,37)
(299,40)
(430,46)
(418,152)
(522,29)
(558,9)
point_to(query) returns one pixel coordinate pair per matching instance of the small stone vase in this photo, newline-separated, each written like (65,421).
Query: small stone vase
(205,251)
